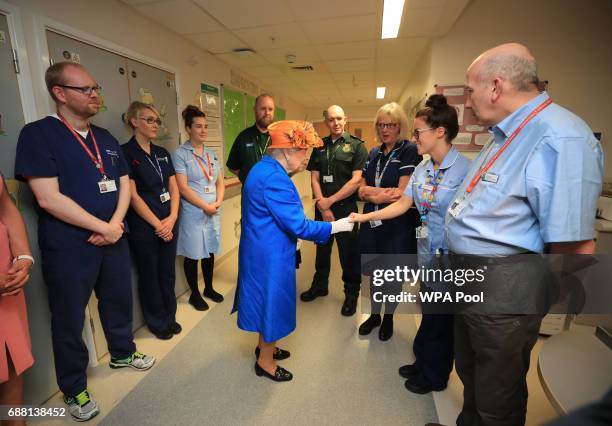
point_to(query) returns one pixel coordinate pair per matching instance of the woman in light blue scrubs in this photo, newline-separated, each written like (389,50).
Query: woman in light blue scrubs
(200,180)
(431,188)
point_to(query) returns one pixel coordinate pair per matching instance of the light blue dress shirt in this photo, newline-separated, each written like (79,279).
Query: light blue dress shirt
(199,233)
(548,182)
(454,166)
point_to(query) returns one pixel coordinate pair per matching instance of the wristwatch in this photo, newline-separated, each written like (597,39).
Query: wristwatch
(24,256)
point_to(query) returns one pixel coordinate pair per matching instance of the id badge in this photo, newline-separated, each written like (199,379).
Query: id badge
(107,185)
(427,187)
(375,223)
(457,206)
(209,189)
(164,197)
(328,179)
(490,177)
(377,182)
(422,232)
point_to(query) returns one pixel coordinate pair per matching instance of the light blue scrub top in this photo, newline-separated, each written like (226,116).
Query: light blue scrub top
(199,233)
(548,182)
(454,167)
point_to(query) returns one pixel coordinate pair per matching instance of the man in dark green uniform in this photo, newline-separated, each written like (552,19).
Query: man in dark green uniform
(335,175)
(251,144)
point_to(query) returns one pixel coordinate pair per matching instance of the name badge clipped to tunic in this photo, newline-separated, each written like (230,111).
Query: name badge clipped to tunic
(209,189)
(375,223)
(490,177)
(164,197)
(328,179)
(422,232)
(457,206)
(107,185)
(427,187)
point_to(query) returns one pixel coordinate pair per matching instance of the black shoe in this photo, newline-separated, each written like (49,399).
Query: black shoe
(213,295)
(349,306)
(164,335)
(176,328)
(312,293)
(279,354)
(417,384)
(197,302)
(409,370)
(280,375)
(386,329)
(370,324)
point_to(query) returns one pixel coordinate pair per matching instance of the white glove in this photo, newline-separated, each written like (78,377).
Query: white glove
(341,225)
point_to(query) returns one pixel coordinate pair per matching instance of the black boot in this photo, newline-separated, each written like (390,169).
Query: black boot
(191,275)
(386,328)
(208,266)
(368,325)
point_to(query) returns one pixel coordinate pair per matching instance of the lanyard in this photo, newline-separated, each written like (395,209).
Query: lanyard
(333,155)
(208,175)
(96,160)
(427,199)
(158,170)
(483,170)
(262,150)
(379,174)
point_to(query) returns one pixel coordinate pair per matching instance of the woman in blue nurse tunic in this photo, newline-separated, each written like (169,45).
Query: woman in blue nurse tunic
(431,188)
(200,180)
(272,221)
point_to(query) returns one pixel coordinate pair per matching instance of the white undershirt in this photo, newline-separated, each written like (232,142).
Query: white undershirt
(83,133)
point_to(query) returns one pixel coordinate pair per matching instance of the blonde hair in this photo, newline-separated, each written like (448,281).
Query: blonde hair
(394,111)
(133,110)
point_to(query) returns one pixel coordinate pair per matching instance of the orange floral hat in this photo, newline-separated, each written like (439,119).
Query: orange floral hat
(293,134)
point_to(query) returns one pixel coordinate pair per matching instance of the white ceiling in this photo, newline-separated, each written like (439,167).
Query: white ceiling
(340,39)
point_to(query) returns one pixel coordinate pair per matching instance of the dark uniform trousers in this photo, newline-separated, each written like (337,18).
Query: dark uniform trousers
(155,264)
(71,275)
(348,250)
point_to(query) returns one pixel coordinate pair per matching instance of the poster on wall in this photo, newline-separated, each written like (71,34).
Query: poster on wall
(210,103)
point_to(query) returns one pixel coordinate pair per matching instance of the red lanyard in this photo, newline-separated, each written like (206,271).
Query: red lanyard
(208,175)
(484,170)
(97,162)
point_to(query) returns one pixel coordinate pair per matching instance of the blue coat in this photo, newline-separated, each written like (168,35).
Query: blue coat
(272,221)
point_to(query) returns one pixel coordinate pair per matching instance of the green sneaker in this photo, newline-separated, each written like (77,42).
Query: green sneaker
(82,407)
(137,361)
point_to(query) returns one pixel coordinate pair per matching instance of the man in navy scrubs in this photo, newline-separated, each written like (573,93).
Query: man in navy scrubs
(80,180)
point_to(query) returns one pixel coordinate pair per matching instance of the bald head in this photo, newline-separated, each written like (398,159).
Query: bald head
(335,120)
(512,62)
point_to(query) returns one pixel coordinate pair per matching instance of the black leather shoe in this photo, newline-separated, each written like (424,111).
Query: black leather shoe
(368,325)
(349,306)
(164,335)
(213,295)
(280,375)
(312,293)
(409,370)
(197,302)
(176,328)
(386,329)
(417,384)
(279,354)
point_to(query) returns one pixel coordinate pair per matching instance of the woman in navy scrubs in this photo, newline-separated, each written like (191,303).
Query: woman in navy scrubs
(200,180)
(385,175)
(152,219)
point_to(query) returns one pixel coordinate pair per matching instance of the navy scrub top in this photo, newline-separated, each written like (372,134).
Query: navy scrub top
(47,148)
(145,171)
(395,235)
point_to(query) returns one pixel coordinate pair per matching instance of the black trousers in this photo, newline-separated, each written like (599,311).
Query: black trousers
(155,264)
(492,359)
(433,349)
(348,250)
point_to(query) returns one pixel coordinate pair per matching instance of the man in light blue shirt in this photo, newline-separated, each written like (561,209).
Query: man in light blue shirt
(541,191)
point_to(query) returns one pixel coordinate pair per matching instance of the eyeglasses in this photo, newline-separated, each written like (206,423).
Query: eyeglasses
(85,90)
(417,132)
(151,120)
(382,126)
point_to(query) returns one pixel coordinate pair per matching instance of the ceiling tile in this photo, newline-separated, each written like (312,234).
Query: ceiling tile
(324,9)
(343,30)
(420,22)
(400,47)
(424,4)
(304,55)
(219,42)
(358,50)
(350,65)
(181,16)
(247,14)
(242,61)
(268,72)
(137,2)
(274,36)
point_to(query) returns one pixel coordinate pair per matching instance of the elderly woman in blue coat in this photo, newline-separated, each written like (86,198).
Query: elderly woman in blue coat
(272,221)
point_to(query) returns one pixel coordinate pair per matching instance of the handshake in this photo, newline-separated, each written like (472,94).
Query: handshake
(341,225)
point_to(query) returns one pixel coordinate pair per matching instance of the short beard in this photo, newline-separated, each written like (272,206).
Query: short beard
(263,123)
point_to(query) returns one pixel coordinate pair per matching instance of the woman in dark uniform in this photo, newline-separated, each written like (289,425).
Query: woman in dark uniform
(152,219)
(385,175)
